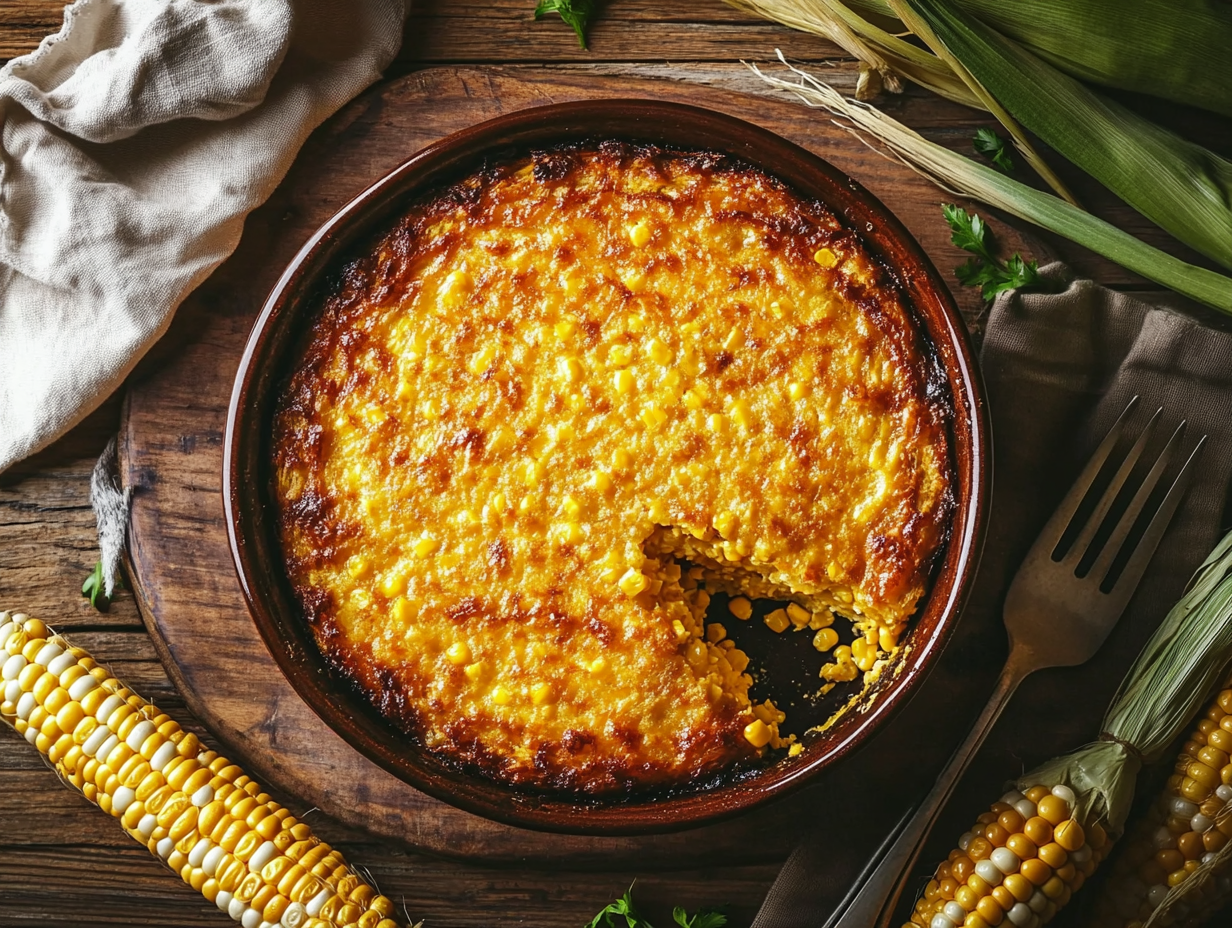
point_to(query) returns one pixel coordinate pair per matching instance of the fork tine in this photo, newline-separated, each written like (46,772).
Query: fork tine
(1055,528)
(1112,546)
(1136,565)
(1096,519)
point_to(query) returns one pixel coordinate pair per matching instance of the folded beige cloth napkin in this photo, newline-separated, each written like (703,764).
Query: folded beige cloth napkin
(1060,364)
(132,145)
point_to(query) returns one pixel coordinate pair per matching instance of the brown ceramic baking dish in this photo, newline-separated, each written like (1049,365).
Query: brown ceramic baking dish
(248,495)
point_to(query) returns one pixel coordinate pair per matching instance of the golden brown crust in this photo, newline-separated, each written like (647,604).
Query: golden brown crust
(456,516)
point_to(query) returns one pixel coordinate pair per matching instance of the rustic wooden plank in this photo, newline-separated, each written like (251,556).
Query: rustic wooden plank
(440,31)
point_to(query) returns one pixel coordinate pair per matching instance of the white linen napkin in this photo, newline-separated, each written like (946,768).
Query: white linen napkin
(132,145)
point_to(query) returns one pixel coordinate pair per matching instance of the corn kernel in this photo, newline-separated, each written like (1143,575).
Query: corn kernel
(825,639)
(454,287)
(724,523)
(621,459)
(797,390)
(717,423)
(693,400)
(825,257)
(600,481)
(652,417)
(570,370)
(795,750)
(541,694)
(741,608)
(622,380)
(620,356)
(799,616)
(501,696)
(742,414)
(734,339)
(758,733)
(659,352)
(565,330)
(393,585)
(639,234)
(568,533)
(459,653)
(571,508)
(482,360)
(476,671)
(777,621)
(358,567)
(635,324)
(633,582)
(682,633)
(425,546)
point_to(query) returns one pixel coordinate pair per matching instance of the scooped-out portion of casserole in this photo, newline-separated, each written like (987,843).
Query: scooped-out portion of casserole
(561,402)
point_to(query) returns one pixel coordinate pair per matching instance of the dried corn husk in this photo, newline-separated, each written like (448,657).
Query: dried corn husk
(1174,50)
(965,177)
(1180,186)
(882,54)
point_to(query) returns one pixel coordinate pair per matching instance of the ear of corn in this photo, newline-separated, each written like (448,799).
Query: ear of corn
(1036,847)
(1178,185)
(195,810)
(1019,865)
(1174,861)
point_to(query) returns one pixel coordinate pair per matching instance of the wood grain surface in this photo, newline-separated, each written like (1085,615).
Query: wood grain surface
(64,863)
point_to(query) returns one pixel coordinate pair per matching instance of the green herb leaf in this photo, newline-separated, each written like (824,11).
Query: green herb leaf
(575,13)
(94,589)
(702,918)
(622,907)
(969,232)
(993,147)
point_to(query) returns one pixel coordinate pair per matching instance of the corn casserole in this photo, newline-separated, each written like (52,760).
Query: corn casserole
(537,423)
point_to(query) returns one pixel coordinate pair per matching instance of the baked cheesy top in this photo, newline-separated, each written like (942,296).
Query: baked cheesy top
(538,421)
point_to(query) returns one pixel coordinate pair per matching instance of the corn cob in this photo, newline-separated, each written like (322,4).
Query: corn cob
(1188,825)
(195,810)
(1019,865)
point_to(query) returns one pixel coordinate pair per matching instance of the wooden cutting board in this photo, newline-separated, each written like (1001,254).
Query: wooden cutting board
(171,454)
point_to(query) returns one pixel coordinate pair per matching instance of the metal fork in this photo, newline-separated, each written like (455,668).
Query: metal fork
(1058,612)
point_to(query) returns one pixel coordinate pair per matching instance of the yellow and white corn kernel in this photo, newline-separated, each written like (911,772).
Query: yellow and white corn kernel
(1186,830)
(195,810)
(1018,866)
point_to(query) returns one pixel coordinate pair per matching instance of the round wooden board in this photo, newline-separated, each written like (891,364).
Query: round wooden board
(171,454)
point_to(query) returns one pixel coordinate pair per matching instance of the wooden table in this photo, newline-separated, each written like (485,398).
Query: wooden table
(62,862)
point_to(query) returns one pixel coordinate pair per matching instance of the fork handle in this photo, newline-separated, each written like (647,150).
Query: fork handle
(877,900)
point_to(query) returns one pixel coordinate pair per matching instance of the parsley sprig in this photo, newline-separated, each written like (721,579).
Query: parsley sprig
(986,271)
(623,914)
(994,148)
(575,13)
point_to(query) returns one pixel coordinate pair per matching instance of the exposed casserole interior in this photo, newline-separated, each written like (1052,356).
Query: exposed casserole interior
(547,387)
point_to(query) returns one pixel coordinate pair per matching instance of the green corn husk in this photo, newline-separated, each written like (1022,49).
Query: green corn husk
(964,177)
(1172,679)
(1180,186)
(1175,50)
